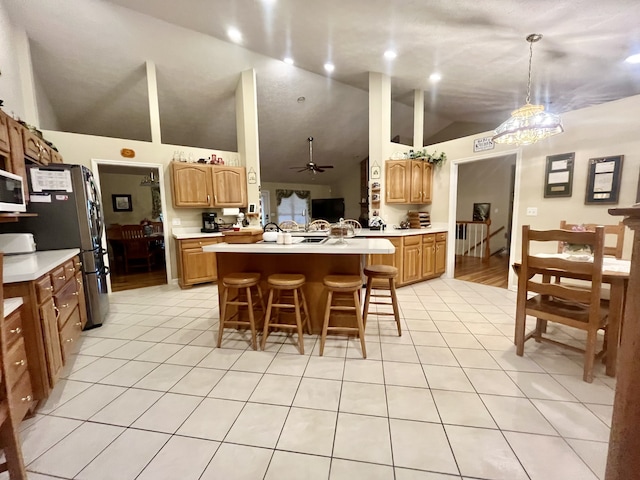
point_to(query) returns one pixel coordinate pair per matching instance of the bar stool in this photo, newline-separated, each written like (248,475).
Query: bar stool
(381,273)
(240,282)
(285,284)
(340,285)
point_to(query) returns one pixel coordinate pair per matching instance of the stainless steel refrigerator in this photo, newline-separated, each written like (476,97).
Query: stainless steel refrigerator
(68,203)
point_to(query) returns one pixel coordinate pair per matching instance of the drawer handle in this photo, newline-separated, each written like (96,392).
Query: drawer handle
(78,264)
(208,198)
(78,324)
(76,293)
(57,312)
(19,363)
(28,398)
(62,277)
(72,270)
(69,340)
(50,288)
(65,305)
(17,330)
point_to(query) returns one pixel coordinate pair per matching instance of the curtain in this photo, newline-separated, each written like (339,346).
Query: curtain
(156,205)
(293,205)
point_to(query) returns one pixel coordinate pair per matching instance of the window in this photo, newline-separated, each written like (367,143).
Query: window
(293,205)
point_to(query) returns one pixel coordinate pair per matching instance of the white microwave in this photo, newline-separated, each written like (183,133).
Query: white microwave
(11,193)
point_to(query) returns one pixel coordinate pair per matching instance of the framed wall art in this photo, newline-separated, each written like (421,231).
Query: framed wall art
(558,176)
(603,182)
(122,203)
(481,212)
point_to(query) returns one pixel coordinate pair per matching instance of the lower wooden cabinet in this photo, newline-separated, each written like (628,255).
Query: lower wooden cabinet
(52,321)
(417,257)
(194,265)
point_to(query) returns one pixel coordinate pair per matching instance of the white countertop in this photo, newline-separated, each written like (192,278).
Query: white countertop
(352,246)
(31,266)
(192,232)
(11,305)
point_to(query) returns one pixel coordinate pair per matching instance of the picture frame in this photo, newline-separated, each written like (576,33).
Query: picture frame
(252,208)
(558,176)
(603,181)
(481,212)
(375,171)
(121,202)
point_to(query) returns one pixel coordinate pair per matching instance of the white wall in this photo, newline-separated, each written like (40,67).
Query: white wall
(125,184)
(349,188)
(10,89)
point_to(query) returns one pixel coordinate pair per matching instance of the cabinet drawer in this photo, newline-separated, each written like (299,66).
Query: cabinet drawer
(22,394)
(70,268)
(66,300)
(58,278)
(44,288)
(13,327)
(412,240)
(70,333)
(431,238)
(441,237)
(16,361)
(198,242)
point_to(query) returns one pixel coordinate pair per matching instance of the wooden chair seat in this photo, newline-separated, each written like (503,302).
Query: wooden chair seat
(286,281)
(242,283)
(382,277)
(340,283)
(381,271)
(241,279)
(574,314)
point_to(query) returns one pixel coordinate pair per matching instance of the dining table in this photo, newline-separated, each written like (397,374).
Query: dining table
(615,272)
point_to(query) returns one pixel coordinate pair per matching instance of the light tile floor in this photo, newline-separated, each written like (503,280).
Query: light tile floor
(148,396)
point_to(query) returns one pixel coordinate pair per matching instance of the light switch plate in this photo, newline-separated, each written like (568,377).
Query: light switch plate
(532,211)
(176,222)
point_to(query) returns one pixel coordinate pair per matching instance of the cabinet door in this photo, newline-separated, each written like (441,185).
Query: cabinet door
(35,148)
(441,253)
(428,256)
(17,153)
(397,181)
(412,265)
(53,351)
(427,182)
(415,188)
(191,185)
(229,186)
(82,306)
(4,133)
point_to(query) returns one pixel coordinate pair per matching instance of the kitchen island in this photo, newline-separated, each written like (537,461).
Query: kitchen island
(314,260)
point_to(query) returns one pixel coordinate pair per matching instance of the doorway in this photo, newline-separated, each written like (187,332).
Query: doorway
(481,218)
(135,235)
(265,207)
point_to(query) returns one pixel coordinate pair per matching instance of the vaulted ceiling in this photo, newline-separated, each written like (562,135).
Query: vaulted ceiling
(89,64)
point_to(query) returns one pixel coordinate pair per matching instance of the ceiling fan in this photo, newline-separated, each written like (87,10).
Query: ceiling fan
(312,167)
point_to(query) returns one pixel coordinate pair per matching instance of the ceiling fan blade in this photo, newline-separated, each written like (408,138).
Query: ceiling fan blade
(324,166)
(302,170)
(292,168)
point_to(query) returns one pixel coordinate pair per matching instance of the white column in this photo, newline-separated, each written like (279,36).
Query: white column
(154,108)
(418,119)
(379,129)
(27,79)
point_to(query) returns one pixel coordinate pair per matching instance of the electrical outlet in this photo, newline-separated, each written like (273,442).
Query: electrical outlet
(176,222)
(532,211)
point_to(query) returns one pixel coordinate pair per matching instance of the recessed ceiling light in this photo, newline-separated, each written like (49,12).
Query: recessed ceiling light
(288,61)
(234,34)
(633,58)
(329,67)
(301,99)
(435,77)
(390,54)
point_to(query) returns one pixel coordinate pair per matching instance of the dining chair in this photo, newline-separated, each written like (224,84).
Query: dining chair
(137,247)
(289,226)
(610,231)
(559,302)
(319,226)
(357,228)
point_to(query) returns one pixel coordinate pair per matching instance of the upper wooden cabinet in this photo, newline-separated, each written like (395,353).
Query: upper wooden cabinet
(197,185)
(408,181)
(35,148)
(4,133)
(229,186)
(191,185)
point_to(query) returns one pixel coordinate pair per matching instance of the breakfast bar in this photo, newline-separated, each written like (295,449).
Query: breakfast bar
(313,260)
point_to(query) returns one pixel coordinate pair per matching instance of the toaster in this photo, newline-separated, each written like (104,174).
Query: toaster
(17,243)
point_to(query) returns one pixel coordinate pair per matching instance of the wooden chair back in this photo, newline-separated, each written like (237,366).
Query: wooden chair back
(114,232)
(610,231)
(9,440)
(132,231)
(157,227)
(289,226)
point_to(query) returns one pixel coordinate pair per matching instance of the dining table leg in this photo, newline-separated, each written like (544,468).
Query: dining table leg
(616,307)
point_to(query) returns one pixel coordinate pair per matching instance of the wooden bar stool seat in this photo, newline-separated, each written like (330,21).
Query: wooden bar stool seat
(242,283)
(285,292)
(382,277)
(343,286)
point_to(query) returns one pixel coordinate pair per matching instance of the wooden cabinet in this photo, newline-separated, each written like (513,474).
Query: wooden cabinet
(4,133)
(428,255)
(408,181)
(52,322)
(441,253)
(35,148)
(412,259)
(394,260)
(18,378)
(16,155)
(191,185)
(194,265)
(197,185)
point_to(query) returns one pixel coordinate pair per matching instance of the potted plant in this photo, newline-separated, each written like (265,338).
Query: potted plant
(434,158)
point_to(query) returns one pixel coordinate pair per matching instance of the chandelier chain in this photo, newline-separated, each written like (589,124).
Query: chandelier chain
(528,99)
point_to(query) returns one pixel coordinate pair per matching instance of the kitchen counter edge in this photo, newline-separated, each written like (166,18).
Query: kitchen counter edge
(31,266)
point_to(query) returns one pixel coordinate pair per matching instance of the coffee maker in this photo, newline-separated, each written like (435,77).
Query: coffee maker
(209,224)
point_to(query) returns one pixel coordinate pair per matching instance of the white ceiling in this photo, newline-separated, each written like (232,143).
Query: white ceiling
(88,59)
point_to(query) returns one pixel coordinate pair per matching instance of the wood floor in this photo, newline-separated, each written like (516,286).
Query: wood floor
(138,278)
(473,269)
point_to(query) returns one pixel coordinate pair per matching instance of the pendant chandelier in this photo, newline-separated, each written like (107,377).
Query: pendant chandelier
(529,123)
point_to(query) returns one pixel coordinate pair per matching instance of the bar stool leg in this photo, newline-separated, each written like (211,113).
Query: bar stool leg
(223,312)
(394,302)
(305,308)
(296,302)
(367,298)
(252,321)
(267,319)
(325,325)
(356,302)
